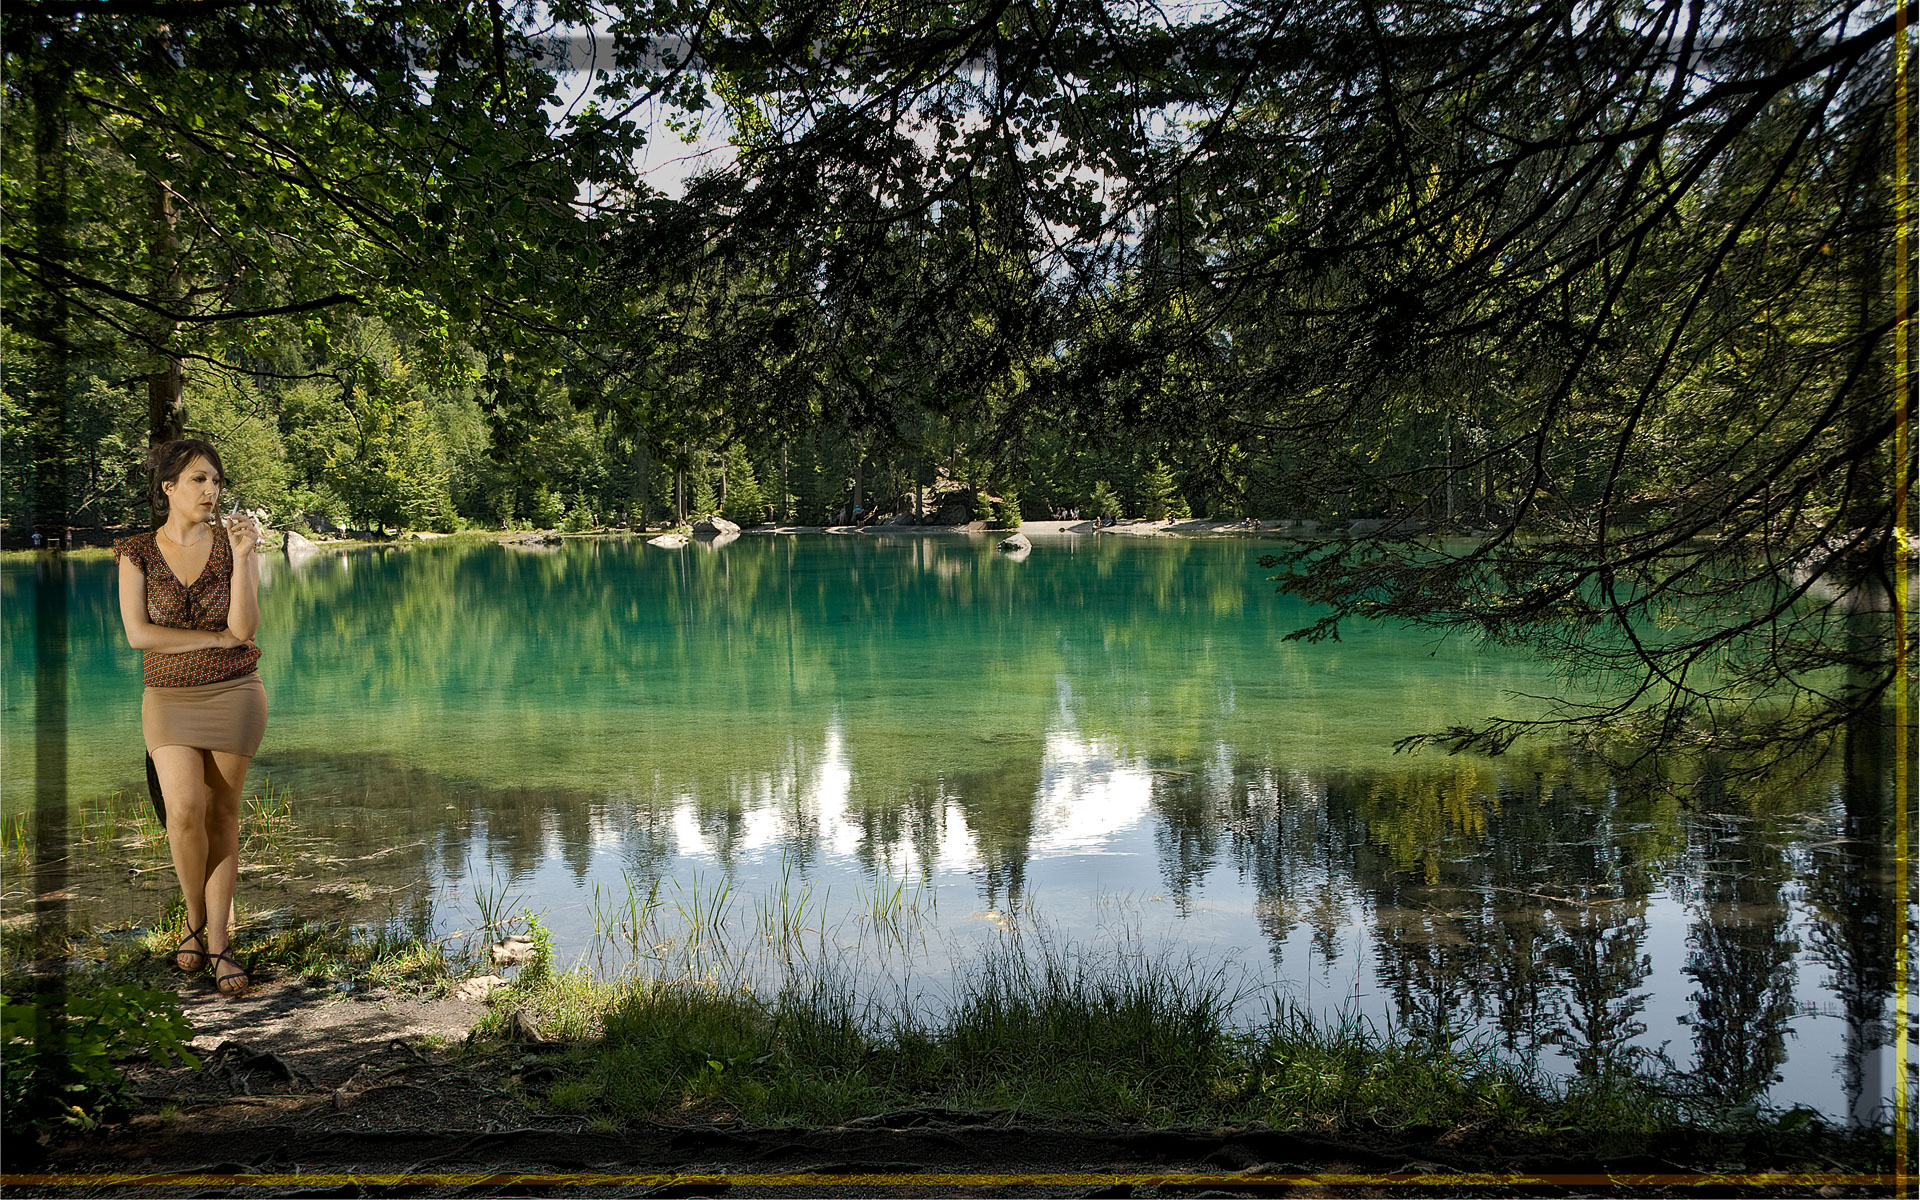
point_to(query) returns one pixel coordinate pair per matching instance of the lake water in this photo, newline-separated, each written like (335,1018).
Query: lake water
(891,754)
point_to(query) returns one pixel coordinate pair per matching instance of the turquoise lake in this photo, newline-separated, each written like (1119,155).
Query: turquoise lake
(885,755)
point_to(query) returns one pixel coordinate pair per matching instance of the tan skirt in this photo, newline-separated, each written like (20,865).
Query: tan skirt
(230,715)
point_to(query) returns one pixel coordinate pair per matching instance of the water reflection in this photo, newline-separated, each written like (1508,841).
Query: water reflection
(1111,739)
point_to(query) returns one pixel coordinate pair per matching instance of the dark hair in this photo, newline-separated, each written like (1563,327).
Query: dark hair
(168,459)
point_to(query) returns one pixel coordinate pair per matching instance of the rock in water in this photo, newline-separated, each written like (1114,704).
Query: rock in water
(299,547)
(669,541)
(513,951)
(1017,544)
(713,526)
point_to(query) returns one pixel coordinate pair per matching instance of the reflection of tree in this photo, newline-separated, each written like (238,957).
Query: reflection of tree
(1428,960)
(1495,892)
(1286,835)
(1598,860)
(1427,928)
(1422,818)
(913,819)
(1600,962)
(1328,916)
(1518,977)
(1740,949)
(998,809)
(1853,894)
(1189,830)
(1522,854)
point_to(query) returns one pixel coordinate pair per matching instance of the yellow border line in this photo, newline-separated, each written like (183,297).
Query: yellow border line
(1902,442)
(935,1179)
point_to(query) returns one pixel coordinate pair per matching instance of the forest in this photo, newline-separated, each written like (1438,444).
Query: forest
(1587,310)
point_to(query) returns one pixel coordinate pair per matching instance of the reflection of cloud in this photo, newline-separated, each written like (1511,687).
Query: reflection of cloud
(831,785)
(1087,795)
(956,852)
(687,836)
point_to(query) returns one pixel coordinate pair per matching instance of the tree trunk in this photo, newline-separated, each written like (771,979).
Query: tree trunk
(47,315)
(680,491)
(642,461)
(46,318)
(166,406)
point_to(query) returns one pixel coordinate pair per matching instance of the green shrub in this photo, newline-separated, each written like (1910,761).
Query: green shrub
(547,508)
(1162,498)
(1105,501)
(579,517)
(1009,510)
(537,968)
(61,1052)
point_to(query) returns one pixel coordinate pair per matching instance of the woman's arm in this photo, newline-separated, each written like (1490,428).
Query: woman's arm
(143,634)
(243,604)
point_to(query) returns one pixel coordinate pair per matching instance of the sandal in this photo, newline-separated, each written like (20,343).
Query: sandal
(239,972)
(193,935)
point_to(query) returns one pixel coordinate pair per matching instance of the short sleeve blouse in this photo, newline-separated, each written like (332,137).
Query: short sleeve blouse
(175,605)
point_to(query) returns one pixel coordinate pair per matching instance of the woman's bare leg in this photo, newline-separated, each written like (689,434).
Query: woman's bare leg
(226,774)
(183,785)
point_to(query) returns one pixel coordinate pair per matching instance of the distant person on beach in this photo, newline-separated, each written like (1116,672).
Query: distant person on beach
(189,598)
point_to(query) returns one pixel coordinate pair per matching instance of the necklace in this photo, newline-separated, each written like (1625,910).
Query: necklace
(176,541)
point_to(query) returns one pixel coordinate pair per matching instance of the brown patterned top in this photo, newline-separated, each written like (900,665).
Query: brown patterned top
(177,606)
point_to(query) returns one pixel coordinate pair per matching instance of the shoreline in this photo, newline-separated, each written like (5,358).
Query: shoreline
(1128,527)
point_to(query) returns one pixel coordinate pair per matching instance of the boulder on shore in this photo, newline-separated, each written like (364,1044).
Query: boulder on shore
(1017,544)
(713,526)
(669,541)
(298,546)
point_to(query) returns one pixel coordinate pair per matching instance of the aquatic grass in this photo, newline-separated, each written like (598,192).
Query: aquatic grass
(146,828)
(269,816)
(327,953)
(704,911)
(639,912)
(561,1005)
(16,840)
(495,904)
(896,908)
(783,914)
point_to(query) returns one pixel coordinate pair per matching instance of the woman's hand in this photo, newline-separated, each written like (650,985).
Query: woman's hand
(243,533)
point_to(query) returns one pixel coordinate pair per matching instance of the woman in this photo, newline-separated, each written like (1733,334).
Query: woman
(190,599)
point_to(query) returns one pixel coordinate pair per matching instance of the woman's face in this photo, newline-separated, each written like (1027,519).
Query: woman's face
(195,492)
